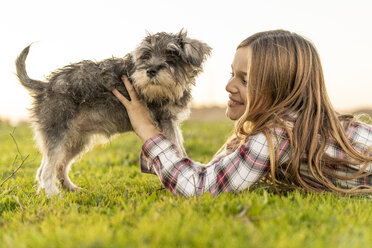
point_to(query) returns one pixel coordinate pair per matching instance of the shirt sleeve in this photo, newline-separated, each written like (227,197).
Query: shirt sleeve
(233,172)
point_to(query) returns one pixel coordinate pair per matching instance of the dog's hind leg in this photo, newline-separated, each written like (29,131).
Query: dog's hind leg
(38,173)
(47,172)
(56,155)
(75,146)
(64,179)
(62,174)
(55,168)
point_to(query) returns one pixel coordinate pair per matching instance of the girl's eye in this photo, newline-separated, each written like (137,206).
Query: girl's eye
(244,82)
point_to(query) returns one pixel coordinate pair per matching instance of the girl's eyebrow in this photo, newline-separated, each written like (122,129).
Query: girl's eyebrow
(243,73)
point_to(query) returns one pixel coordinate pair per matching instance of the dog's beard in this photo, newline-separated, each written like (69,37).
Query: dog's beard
(159,88)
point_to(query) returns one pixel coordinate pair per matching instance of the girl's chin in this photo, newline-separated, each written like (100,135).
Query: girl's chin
(234,114)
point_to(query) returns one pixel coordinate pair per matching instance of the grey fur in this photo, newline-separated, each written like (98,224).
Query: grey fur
(75,104)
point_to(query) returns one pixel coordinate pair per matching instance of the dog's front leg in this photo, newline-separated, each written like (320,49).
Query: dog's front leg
(173,132)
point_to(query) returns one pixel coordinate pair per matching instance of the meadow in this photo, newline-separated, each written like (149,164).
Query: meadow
(121,207)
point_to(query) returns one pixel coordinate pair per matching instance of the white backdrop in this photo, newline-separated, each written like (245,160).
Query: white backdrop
(70,30)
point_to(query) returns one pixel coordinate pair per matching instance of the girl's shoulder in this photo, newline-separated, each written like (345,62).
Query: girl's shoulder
(360,132)
(362,125)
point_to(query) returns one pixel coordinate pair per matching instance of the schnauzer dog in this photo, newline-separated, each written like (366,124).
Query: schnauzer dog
(75,104)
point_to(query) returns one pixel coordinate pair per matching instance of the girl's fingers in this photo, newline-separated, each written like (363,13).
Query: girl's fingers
(129,87)
(121,98)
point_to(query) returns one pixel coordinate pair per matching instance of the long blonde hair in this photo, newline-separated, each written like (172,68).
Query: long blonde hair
(286,77)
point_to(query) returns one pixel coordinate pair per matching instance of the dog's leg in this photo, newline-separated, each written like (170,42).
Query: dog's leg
(75,146)
(55,168)
(38,173)
(45,175)
(62,175)
(48,173)
(173,133)
(179,139)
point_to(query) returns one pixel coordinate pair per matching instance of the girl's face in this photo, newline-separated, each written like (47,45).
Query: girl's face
(237,85)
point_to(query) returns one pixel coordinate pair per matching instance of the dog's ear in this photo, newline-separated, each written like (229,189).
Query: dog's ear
(195,51)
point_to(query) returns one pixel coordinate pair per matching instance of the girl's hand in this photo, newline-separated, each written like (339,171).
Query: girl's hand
(137,112)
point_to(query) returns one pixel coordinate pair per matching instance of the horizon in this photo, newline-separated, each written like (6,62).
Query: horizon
(217,111)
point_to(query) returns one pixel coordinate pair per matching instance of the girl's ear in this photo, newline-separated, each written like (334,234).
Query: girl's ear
(195,51)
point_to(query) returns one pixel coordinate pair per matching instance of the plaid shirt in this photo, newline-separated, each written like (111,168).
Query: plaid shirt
(240,169)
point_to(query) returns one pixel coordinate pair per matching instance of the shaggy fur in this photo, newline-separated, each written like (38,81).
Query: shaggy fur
(75,104)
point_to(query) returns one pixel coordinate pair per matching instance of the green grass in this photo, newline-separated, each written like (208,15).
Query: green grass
(120,207)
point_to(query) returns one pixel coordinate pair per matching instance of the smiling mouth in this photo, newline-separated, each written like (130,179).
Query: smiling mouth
(232,103)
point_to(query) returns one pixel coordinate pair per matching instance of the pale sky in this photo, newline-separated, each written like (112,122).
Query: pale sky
(69,31)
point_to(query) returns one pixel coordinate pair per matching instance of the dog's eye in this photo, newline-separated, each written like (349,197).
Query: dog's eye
(172,54)
(172,57)
(170,62)
(145,56)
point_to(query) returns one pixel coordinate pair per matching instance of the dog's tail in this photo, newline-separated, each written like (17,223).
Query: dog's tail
(31,84)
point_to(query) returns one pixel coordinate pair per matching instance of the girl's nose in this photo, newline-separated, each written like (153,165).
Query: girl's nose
(230,87)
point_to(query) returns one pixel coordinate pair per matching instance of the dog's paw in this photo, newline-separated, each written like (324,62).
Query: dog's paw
(68,185)
(50,191)
(74,188)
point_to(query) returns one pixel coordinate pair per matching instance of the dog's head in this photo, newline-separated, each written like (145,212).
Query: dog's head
(166,66)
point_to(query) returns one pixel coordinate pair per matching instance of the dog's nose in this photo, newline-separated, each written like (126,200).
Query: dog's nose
(151,72)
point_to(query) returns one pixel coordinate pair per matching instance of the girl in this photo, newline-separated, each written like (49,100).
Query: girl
(287,130)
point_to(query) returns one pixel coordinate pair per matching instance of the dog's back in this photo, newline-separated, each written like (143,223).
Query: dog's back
(77,90)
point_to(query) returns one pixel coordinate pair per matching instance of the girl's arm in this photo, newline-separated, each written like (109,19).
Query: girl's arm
(234,172)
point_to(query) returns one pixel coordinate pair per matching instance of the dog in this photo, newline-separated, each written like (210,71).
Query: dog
(75,105)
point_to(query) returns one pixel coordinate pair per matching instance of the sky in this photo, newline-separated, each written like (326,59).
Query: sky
(64,32)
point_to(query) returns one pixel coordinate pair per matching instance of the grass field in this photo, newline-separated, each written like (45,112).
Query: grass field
(120,207)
